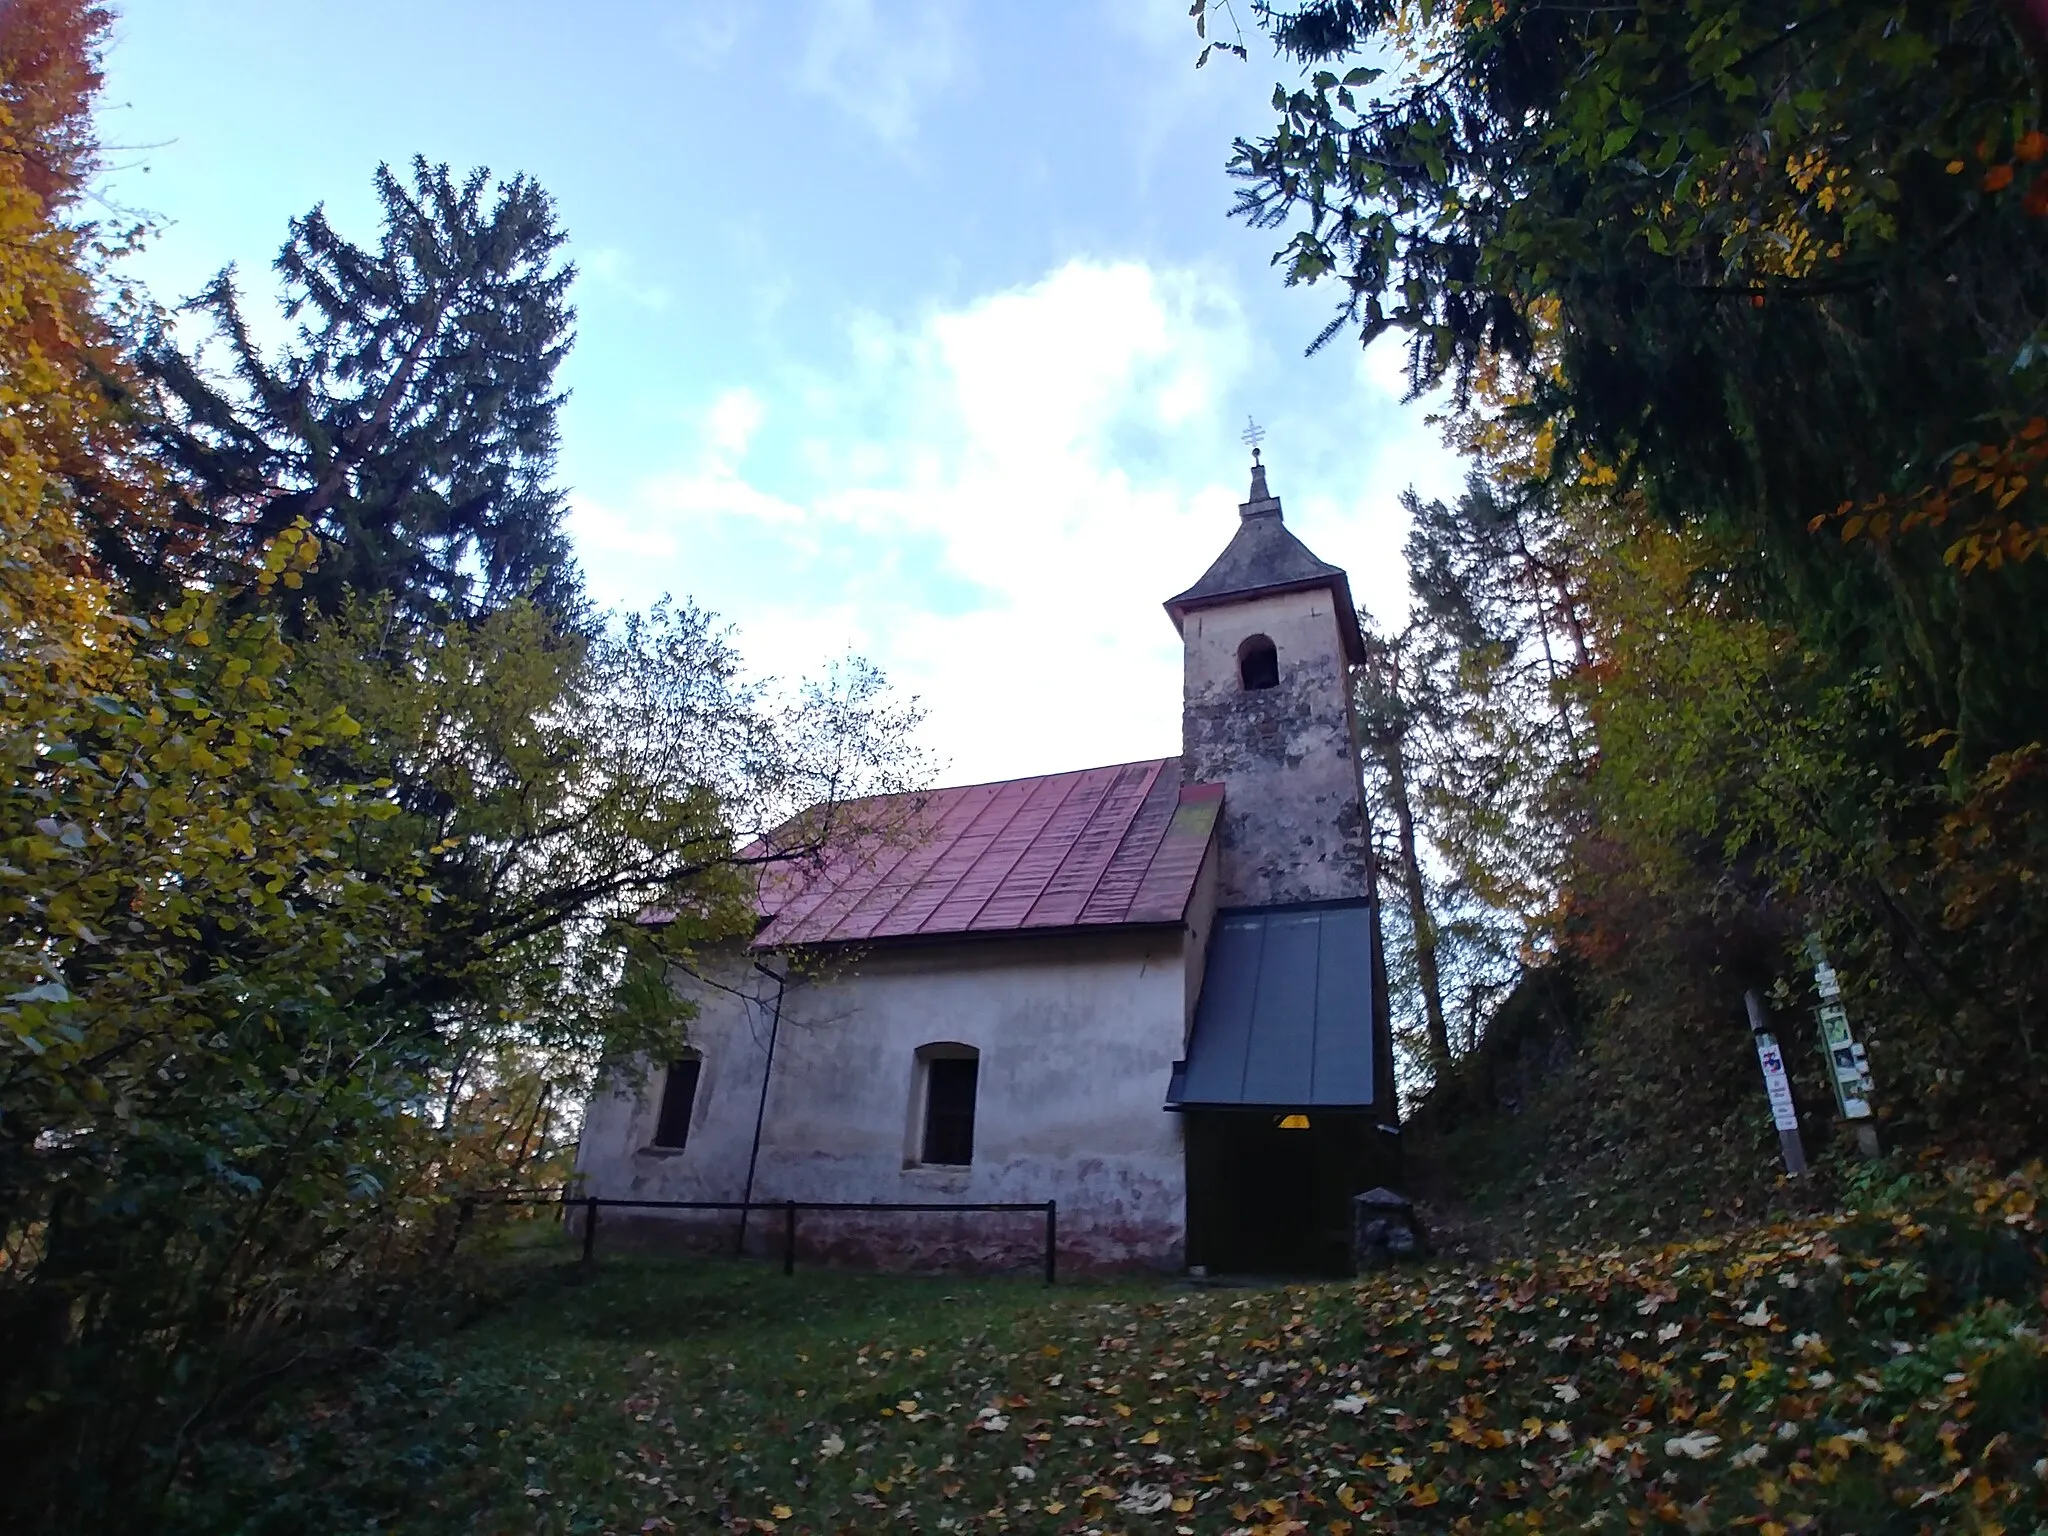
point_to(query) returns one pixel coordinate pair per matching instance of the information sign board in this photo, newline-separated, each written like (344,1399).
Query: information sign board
(1776,1083)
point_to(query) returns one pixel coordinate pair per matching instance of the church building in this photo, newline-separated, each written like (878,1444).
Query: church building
(1153,992)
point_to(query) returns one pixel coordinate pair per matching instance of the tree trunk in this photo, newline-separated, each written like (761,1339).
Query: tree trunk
(1418,902)
(358,442)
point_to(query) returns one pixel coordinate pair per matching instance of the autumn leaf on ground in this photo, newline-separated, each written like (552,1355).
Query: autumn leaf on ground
(1269,1404)
(1143,1499)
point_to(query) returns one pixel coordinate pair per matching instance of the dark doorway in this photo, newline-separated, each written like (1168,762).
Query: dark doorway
(1268,1199)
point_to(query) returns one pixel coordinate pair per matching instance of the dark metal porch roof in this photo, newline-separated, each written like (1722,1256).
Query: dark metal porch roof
(1285,1020)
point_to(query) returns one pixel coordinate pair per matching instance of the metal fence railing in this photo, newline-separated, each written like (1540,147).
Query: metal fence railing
(588,1206)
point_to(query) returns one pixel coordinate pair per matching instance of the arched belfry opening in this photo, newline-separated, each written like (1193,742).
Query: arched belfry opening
(1258,664)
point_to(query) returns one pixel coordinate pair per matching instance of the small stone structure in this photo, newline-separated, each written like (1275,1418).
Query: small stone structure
(1384,1230)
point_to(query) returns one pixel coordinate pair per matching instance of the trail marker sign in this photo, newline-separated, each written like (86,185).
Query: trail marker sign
(1784,1114)
(1848,1065)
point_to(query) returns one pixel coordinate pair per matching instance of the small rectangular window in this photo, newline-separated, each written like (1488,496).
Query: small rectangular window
(678,1098)
(949,1110)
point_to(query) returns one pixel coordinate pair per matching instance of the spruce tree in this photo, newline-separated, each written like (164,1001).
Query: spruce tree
(411,418)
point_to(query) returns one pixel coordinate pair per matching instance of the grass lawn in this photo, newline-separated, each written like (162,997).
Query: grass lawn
(1867,1372)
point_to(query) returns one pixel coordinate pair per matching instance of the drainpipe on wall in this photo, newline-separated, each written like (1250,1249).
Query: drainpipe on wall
(761,1109)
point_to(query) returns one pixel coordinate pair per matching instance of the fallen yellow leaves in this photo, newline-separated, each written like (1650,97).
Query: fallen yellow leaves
(1326,1409)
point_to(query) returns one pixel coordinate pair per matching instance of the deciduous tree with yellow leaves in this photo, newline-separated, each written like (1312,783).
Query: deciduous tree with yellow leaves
(317,889)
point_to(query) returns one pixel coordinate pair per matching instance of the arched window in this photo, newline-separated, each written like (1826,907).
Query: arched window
(948,1076)
(1258,664)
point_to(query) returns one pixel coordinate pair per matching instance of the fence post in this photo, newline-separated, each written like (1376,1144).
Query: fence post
(590,1229)
(789,1238)
(1052,1241)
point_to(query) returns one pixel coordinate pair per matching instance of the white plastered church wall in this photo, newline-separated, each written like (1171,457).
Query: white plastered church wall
(1076,1036)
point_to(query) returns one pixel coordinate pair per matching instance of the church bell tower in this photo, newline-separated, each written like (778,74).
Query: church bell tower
(1271,636)
(1288,1083)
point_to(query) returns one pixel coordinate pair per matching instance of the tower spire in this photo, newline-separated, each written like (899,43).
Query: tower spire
(1251,437)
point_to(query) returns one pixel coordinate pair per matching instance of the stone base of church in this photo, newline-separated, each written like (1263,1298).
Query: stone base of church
(905,1242)
(898,1242)
(975,1243)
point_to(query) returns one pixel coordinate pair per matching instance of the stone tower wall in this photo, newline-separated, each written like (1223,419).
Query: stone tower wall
(1293,825)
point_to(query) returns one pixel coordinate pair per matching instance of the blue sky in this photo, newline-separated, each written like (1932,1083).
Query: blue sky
(912,328)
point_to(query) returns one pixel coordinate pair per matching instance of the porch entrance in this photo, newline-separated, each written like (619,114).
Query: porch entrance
(1267,1196)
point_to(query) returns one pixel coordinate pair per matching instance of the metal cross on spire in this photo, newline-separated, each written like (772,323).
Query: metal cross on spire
(1252,436)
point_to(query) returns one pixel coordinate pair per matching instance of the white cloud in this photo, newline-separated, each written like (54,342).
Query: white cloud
(730,425)
(881,69)
(612,270)
(1384,365)
(703,32)
(993,502)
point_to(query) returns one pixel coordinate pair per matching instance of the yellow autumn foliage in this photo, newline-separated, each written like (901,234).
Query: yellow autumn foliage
(53,609)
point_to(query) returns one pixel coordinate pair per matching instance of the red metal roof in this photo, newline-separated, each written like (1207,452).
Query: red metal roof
(1096,848)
